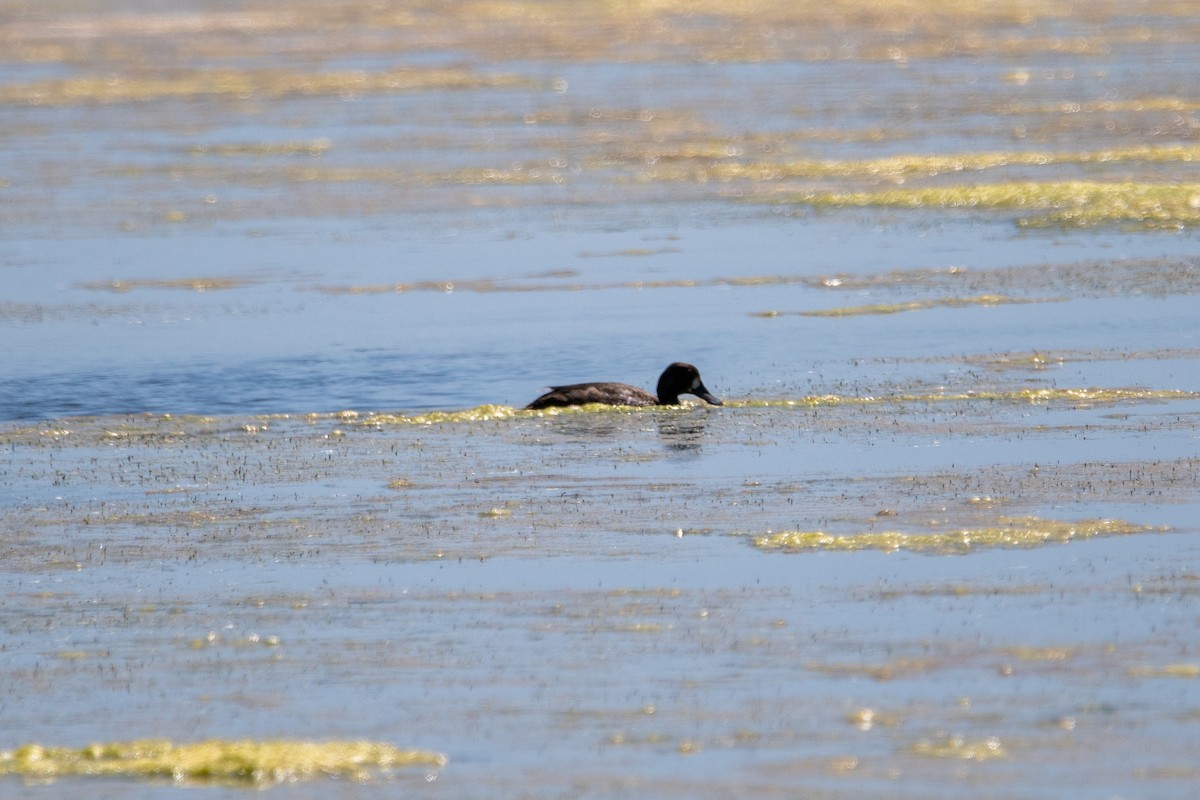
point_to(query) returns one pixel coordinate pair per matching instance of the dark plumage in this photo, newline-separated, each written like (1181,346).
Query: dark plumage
(677,379)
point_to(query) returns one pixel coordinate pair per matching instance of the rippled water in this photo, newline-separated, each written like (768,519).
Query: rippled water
(281,342)
(219,227)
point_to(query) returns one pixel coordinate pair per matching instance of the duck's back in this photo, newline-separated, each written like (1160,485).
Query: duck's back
(610,394)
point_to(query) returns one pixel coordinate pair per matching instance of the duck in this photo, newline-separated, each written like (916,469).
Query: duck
(679,378)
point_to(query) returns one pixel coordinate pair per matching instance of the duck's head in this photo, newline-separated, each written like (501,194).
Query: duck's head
(680,378)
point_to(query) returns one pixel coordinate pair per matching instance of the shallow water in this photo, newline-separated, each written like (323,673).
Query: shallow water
(279,340)
(221,228)
(519,592)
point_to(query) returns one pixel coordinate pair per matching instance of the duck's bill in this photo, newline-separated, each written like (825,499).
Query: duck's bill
(707,396)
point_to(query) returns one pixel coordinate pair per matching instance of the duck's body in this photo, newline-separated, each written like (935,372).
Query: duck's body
(677,379)
(607,393)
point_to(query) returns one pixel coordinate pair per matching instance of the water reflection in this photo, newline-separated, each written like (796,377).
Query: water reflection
(682,435)
(679,433)
(594,427)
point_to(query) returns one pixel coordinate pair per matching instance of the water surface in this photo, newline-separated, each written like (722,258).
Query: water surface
(939,262)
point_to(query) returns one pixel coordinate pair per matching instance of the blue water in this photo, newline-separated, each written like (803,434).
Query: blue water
(566,604)
(90,191)
(279,344)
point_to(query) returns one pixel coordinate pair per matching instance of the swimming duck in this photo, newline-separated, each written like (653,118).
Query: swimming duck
(677,379)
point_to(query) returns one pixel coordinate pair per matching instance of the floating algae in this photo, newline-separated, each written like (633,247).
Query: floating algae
(1070,203)
(484,413)
(918,305)
(243,84)
(149,429)
(899,168)
(487,413)
(1166,671)
(236,762)
(1042,359)
(1082,396)
(1091,278)
(958,747)
(192,284)
(1007,532)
